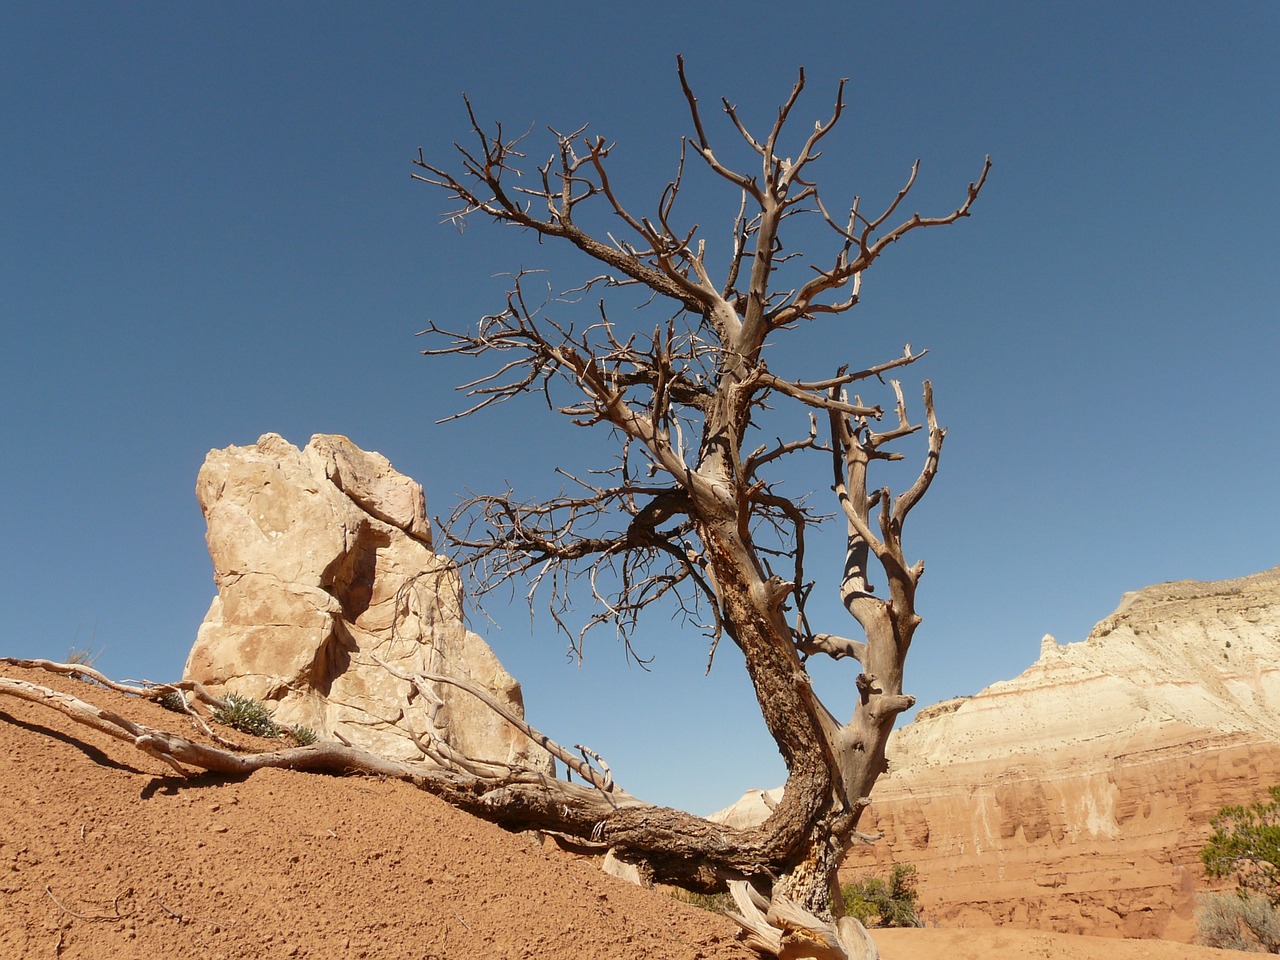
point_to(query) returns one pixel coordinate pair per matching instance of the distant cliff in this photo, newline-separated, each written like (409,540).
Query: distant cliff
(1076,796)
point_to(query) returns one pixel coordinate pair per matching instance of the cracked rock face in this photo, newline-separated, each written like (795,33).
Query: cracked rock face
(322,559)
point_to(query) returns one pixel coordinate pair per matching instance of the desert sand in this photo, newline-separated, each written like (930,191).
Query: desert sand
(106,853)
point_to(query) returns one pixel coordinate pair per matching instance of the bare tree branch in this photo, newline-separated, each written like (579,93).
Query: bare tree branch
(691,518)
(692,851)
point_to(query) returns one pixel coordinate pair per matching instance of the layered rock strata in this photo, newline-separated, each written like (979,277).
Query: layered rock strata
(323,563)
(1076,797)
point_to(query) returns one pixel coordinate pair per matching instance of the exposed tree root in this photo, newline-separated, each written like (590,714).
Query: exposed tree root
(679,847)
(781,928)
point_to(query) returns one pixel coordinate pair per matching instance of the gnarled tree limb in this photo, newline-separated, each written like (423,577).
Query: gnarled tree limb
(681,401)
(691,514)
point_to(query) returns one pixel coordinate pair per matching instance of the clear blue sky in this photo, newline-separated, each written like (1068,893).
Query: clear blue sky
(209,232)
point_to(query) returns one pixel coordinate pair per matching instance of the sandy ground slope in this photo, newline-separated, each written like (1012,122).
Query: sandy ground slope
(104,853)
(1007,944)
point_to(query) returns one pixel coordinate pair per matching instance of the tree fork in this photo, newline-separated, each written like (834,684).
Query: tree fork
(731,500)
(707,379)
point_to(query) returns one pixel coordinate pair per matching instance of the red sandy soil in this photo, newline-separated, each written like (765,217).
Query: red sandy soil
(105,853)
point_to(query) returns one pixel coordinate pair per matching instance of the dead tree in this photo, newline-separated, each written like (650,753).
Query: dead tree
(688,516)
(689,513)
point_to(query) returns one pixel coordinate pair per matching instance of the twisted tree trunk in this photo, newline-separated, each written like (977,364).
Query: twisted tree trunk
(694,532)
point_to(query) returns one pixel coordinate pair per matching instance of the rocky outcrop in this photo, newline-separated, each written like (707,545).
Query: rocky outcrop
(322,559)
(1076,797)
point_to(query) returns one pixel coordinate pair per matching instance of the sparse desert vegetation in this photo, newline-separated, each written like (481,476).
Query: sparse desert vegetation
(1245,846)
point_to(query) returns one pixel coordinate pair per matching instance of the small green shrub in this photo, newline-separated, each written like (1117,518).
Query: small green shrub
(248,716)
(1246,844)
(874,901)
(303,736)
(174,700)
(1238,921)
(877,902)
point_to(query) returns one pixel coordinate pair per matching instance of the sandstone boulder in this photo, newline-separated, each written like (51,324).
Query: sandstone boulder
(322,559)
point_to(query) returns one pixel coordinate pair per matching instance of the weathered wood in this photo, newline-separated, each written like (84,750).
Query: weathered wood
(691,535)
(686,517)
(781,928)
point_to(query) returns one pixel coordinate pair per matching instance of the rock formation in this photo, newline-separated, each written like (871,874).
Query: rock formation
(322,558)
(1076,797)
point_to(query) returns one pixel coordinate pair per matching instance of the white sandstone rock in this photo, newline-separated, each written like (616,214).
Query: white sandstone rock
(322,561)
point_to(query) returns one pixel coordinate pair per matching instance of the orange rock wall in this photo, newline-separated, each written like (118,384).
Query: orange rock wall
(1076,797)
(1068,842)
